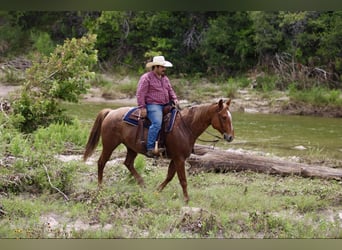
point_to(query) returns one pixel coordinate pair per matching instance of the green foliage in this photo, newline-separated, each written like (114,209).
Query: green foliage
(31,158)
(330,45)
(61,76)
(232,88)
(12,76)
(267,83)
(12,142)
(12,39)
(267,35)
(42,42)
(226,47)
(140,164)
(60,137)
(316,95)
(32,112)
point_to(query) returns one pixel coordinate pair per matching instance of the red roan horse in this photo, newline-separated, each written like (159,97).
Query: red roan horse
(190,123)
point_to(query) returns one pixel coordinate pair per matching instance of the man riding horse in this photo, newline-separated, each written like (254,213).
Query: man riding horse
(154,92)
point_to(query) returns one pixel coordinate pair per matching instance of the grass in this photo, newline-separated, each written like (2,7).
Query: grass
(142,213)
(117,87)
(11,76)
(232,205)
(317,95)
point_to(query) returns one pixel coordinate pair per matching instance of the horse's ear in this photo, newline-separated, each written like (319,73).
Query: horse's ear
(228,102)
(220,105)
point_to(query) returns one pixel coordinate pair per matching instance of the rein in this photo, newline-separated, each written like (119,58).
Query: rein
(213,141)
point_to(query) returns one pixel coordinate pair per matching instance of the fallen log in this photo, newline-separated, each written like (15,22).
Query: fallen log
(207,159)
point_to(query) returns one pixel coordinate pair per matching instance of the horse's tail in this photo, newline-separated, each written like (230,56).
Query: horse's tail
(95,133)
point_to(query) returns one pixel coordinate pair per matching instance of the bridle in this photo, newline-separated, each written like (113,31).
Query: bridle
(219,138)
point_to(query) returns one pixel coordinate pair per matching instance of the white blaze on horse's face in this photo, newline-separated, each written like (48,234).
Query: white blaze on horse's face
(229,137)
(230,119)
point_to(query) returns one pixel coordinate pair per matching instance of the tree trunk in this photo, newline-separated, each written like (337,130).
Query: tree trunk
(206,159)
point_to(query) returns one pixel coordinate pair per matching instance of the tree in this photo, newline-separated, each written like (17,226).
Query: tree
(227,43)
(266,35)
(330,49)
(62,76)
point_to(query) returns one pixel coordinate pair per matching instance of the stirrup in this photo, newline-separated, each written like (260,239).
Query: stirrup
(160,150)
(150,154)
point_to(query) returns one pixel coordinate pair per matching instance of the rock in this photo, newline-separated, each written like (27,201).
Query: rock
(300,147)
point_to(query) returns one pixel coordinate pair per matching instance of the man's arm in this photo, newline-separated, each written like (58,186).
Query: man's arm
(142,91)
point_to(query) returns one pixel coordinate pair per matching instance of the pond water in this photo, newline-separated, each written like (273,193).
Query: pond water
(285,135)
(280,135)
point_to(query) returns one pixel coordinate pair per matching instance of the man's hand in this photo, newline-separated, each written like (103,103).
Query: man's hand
(176,104)
(143,112)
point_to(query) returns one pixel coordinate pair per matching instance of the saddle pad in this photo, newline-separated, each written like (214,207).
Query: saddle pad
(132,117)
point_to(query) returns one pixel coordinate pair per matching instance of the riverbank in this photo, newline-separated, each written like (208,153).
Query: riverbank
(245,100)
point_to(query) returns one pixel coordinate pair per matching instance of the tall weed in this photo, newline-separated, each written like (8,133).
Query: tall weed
(231,88)
(42,42)
(316,95)
(266,83)
(61,137)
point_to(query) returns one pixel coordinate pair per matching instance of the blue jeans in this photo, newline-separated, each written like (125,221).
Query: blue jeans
(155,115)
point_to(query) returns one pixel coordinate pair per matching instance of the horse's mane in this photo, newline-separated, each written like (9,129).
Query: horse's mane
(197,112)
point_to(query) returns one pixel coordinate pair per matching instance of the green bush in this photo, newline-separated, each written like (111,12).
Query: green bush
(267,83)
(42,42)
(12,40)
(60,77)
(316,95)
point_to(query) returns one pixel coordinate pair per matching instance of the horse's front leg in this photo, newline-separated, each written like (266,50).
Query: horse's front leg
(129,163)
(178,167)
(170,174)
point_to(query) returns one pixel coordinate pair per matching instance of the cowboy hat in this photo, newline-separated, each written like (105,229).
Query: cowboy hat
(159,60)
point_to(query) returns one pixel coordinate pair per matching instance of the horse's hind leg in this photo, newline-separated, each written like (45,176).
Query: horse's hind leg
(104,157)
(129,163)
(180,168)
(100,166)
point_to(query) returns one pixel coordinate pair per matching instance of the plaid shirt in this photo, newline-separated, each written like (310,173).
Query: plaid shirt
(154,90)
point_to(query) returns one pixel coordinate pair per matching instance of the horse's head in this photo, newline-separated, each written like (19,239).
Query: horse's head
(222,121)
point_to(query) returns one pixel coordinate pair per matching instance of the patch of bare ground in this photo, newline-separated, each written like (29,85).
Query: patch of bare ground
(96,95)
(56,225)
(251,102)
